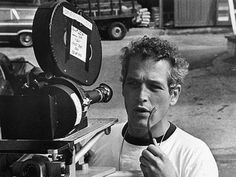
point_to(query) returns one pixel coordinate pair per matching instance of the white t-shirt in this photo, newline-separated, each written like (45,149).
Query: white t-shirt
(190,156)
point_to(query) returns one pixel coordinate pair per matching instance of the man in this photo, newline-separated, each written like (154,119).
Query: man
(152,75)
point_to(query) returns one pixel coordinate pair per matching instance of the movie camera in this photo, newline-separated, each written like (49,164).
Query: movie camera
(47,112)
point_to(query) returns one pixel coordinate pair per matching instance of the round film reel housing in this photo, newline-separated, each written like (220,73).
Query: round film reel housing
(67,43)
(66,112)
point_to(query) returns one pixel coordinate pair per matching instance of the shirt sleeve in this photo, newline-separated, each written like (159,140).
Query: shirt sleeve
(201,163)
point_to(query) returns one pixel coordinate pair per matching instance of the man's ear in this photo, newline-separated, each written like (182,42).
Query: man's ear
(174,94)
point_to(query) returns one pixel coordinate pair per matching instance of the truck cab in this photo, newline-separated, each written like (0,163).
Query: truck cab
(113,17)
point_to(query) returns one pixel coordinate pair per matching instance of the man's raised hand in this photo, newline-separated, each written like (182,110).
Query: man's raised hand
(155,163)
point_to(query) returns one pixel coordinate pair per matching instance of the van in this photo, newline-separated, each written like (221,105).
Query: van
(16,20)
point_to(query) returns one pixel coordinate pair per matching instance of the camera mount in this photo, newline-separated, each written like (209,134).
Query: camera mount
(47,112)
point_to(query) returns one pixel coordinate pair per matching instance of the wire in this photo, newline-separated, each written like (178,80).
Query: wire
(121,148)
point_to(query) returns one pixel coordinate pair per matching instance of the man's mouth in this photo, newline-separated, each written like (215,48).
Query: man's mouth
(141,110)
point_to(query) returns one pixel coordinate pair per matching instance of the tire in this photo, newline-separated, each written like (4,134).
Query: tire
(117,31)
(25,39)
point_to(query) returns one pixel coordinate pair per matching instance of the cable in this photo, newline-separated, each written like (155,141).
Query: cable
(121,148)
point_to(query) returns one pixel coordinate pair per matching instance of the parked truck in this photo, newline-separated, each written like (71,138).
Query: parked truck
(112,17)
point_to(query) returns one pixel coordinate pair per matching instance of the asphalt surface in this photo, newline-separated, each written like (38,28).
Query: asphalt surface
(207,105)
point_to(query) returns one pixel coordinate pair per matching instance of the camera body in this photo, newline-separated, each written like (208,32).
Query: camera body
(51,103)
(48,108)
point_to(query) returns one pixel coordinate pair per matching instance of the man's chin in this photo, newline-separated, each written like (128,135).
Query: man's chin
(140,124)
(139,121)
(138,129)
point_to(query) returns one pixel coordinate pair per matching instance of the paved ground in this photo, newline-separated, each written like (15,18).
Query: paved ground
(207,106)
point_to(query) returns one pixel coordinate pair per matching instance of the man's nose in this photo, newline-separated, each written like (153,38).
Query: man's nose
(143,93)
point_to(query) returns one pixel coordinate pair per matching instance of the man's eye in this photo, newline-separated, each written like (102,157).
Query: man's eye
(155,87)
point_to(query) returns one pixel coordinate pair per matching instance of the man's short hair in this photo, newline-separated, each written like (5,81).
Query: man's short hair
(158,49)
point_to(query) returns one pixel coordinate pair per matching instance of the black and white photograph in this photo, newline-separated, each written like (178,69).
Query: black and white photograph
(117,88)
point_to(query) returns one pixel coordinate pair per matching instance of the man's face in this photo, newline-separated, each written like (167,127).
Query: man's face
(145,87)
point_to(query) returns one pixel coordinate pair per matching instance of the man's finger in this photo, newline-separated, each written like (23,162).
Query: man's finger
(144,161)
(150,158)
(156,151)
(144,170)
(147,154)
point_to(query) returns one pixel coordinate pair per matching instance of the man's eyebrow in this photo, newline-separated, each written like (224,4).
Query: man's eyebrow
(155,82)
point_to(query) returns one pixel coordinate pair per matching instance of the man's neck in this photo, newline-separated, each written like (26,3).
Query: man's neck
(157,130)
(160,129)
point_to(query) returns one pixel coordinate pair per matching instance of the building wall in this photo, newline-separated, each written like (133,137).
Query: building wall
(194,13)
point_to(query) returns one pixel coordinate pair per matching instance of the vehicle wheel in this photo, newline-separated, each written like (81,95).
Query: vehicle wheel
(117,31)
(25,39)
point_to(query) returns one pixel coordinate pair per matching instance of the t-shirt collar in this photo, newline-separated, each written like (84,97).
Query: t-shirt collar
(146,142)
